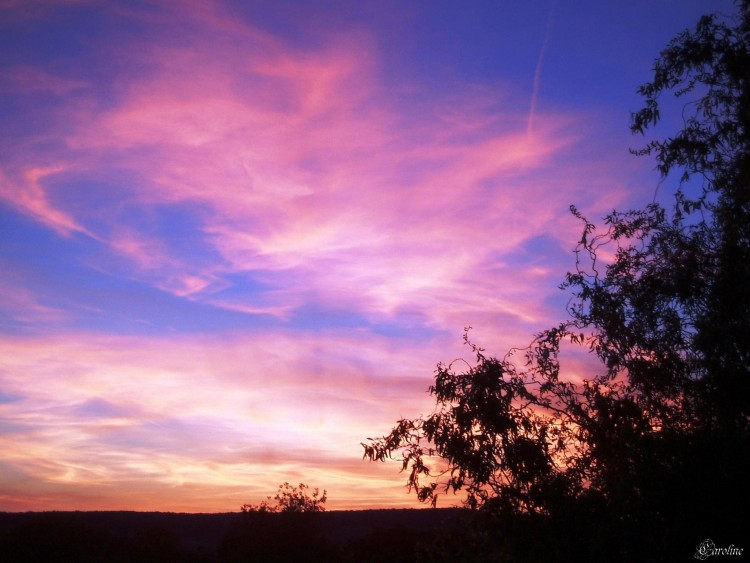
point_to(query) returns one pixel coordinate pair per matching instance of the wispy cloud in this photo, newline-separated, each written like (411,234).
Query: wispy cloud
(28,194)
(29,79)
(195,412)
(354,223)
(299,168)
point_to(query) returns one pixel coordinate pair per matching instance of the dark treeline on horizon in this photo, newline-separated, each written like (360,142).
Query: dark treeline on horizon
(121,536)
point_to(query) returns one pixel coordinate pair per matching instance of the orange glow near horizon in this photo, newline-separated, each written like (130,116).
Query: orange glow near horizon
(238,238)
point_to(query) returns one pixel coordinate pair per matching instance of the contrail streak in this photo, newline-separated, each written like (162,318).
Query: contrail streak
(538,73)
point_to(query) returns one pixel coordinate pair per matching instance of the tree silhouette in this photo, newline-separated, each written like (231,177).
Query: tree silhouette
(657,441)
(291,499)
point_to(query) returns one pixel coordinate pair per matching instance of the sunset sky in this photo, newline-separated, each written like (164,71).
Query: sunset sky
(237,237)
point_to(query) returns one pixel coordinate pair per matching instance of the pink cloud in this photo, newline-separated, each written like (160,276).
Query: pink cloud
(308,172)
(28,194)
(301,164)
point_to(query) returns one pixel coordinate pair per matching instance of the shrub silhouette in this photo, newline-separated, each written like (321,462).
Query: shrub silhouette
(291,499)
(285,530)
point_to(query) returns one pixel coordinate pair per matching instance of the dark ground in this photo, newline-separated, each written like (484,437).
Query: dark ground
(162,536)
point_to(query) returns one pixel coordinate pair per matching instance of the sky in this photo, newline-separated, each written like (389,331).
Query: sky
(236,237)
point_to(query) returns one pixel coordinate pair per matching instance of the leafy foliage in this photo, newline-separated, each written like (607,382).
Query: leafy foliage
(668,318)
